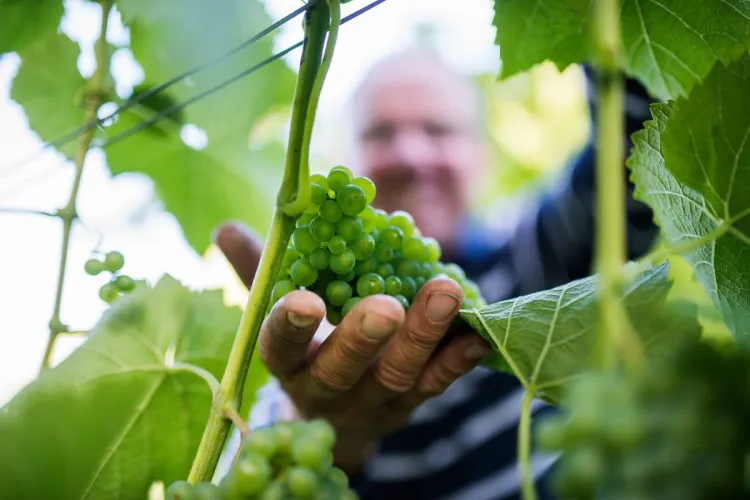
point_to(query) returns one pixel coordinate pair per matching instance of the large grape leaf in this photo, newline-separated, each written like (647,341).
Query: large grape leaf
(691,164)
(23,22)
(47,85)
(200,187)
(122,411)
(670,45)
(547,338)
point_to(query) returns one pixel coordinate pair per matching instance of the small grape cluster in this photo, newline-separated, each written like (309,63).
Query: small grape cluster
(289,460)
(343,249)
(676,432)
(119,283)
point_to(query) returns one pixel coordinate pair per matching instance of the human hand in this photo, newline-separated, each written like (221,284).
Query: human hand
(374,369)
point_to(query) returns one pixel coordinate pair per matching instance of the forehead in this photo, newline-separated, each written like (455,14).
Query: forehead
(414,90)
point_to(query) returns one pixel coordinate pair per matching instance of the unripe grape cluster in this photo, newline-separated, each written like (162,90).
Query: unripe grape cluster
(344,250)
(118,284)
(286,461)
(678,430)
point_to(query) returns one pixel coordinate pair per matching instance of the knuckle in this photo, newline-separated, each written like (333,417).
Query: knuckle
(437,381)
(424,338)
(329,381)
(394,378)
(352,350)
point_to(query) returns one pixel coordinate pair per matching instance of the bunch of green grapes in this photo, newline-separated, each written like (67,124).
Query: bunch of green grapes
(343,249)
(118,283)
(677,432)
(286,461)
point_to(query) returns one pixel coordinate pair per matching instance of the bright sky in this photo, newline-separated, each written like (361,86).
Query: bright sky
(152,241)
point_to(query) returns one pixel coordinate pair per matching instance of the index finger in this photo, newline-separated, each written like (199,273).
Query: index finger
(241,248)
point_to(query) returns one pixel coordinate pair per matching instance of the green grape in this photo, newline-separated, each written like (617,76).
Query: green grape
(338,178)
(180,490)
(285,435)
(207,491)
(408,287)
(409,268)
(404,221)
(382,219)
(349,304)
(331,211)
(375,233)
(402,300)
(320,180)
(348,495)
(93,267)
(367,186)
(302,482)
(261,441)
(419,281)
(348,276)
(303,274)
(349,227)
(312,208)
(427,272)
(322,431)
(368,265)
(385,269)
(230,489)
(351,199)
(363,246)
(393,237)
(290,257)
(393,285)
(343,262)
(318,195)
(322,230)
(253,473)
(434,251)
(319,258)
(303,240)
(383,252)
(338,292)
(309,452)
(108,293)
(338,477)
(369,220)
(414,249)
(333,315)
(454,272)
(124,283)
(113,261)
(275,491)
(370,284)
(337,245)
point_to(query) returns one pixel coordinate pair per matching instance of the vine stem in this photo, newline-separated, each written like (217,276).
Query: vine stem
(68,213)
(26,211)
(524,445)
(614,332)
(233,382)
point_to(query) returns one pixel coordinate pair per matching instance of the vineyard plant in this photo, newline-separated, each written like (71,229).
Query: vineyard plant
(652,408)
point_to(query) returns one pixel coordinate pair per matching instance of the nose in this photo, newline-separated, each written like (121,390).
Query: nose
(413,148)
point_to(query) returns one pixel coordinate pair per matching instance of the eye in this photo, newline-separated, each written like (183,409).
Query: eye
(381,133)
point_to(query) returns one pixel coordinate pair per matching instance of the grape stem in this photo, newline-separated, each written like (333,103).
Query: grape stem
(614,332)
(233,382)
(524,446)
(237,420)
(26,211)
(68,214)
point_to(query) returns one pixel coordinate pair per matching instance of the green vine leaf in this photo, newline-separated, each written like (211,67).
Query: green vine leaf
(691,164)
(26,21)
(670,45)
(546,338)
(48,85)
(126,408)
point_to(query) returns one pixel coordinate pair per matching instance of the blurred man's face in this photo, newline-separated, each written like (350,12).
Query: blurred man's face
(419,140)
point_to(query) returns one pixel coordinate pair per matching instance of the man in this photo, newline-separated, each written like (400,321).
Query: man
(414,421)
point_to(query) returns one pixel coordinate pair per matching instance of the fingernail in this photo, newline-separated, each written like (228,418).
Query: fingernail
(377,327)
(440,306)
(300,321)
(475,352)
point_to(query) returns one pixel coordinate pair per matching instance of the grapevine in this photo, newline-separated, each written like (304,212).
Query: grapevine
(118,283)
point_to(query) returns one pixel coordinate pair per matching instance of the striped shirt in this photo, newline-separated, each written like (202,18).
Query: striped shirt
(462,445)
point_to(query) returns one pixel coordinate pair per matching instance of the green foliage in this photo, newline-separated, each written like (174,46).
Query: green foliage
(18,32)
(547,338)
(691,165)
(49,86)
(669,45)
(127,407)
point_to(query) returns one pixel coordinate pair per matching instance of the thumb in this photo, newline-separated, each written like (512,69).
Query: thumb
(241,247)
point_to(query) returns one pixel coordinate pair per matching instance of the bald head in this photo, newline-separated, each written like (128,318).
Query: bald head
(419,136)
